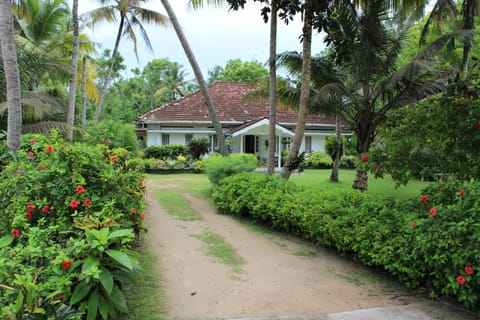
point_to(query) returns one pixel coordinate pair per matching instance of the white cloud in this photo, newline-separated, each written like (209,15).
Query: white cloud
(216,35)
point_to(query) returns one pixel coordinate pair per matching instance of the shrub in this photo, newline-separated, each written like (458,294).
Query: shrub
(169,151)
(114,134)
(198,147)
(318,159)
(431,241)
(69,216)
(218,167)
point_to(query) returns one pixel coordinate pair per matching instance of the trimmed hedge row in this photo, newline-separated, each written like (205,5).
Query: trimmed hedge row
(431,241)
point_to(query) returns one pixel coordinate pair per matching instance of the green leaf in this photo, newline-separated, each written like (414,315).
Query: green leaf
(93,306)
(103,308)
(106,280)
(101,235)
(118,299)
(6,240)
(121,233)
(82,289)
(90,262)
(121,258)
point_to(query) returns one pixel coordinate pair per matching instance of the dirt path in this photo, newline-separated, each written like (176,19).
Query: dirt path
(281,277)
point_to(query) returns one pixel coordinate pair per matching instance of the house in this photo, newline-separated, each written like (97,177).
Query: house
(245,123)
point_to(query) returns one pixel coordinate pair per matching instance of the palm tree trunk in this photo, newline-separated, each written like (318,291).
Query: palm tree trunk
(365,138)
(338,151)
(84,93)
(198,76)
(468,24)
(272,89)
(304,90)
(73,73)
(12,76)
(108,78)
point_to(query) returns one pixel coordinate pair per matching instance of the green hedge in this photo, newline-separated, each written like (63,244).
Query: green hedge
(218,167)
(420,246)
(169,151)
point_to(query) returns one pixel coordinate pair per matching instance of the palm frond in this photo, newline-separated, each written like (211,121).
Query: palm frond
(37,106)
(46,127)
(151,17)
(430,50)
(198,4)
(442,12)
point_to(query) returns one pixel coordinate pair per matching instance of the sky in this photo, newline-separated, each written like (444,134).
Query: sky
(216,35)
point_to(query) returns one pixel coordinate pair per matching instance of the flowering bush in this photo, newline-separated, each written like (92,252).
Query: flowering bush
(66,228)
(428,241)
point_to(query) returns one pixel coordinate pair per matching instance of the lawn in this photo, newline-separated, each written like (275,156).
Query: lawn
(198,184)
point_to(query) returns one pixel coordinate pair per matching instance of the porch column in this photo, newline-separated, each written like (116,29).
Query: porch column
(241,143)
(279,152)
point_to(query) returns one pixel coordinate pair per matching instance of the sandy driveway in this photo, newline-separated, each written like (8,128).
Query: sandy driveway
(281,276)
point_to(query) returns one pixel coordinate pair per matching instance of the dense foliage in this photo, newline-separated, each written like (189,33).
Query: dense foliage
(218,167)
(70,213)
(169,151)
(429,241)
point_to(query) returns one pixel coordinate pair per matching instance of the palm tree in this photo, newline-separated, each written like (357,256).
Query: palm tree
(198,75)
(272,85)
(132,15)
(305,89)
(12,75)
(73,72)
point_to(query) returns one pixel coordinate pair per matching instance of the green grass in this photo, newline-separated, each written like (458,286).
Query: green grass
(145,295)
(307,253)
(196,184)
(216,246)
(177,206)
(381,188)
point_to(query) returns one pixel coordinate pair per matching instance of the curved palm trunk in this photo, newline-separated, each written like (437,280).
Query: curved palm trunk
(84,93)
(305,89)
(12,75)
(272,89)
(73,72)
(198,76)
(108,78)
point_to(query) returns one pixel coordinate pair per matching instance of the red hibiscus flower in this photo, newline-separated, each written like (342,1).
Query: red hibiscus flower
(66,264)
(477,126)
(412,224)
(113,159)
(16,233)
(364,158)
(433,212)
(74,204)
(80,189)
(134,211)
(469,270)
(28,216)
(106,142)
(461,192)
(49,148)
(142,184)
(427,97)
(424,198)
(32,141)
(45,209)
(31,154)
(379,168)
(144,215)
(30,207)
(87,202)
(461,280)
(42,166)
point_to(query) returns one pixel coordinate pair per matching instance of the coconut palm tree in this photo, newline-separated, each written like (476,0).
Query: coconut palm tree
(12,75)
(198,75)
(73,72)
(131,16)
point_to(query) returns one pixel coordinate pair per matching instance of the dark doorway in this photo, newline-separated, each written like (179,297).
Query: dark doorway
(249,144)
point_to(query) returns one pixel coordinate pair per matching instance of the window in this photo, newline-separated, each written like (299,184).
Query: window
(188,137)
(308,144)
(165,139)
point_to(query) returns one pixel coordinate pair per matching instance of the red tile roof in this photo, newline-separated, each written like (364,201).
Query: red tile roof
(227,99)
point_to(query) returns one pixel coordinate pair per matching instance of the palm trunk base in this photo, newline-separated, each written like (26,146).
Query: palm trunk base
(361,181)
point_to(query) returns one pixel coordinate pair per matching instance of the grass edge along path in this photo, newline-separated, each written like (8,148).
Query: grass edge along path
(146,295)
(176,205)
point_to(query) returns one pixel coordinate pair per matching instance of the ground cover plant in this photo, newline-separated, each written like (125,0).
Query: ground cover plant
(70,214)
(430,240)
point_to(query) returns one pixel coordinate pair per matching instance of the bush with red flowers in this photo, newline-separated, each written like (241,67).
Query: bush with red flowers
(66,227)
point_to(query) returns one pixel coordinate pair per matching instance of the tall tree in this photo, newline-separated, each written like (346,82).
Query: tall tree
(272,92)
(12,75)
(198,75)
(73,72)
(132,16)
(305,89)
